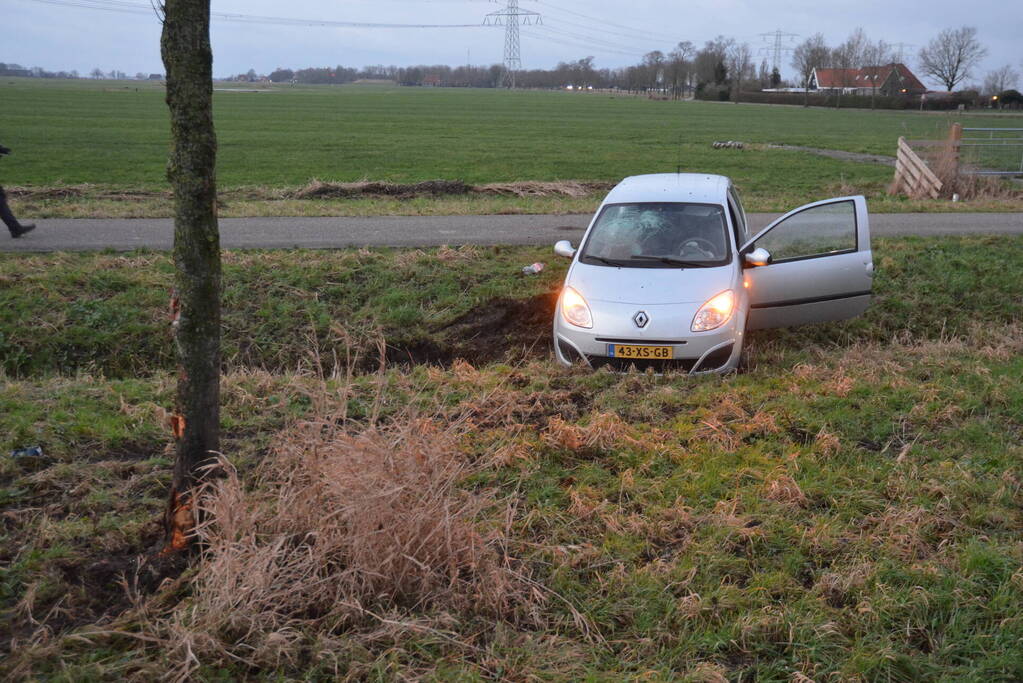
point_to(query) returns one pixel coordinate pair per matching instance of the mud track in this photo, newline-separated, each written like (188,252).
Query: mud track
(501,329)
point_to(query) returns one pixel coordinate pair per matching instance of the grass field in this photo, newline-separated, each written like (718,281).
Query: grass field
(114,135)
(848,507)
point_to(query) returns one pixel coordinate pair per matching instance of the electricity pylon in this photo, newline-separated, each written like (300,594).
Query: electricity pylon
(509,18)
(778,48)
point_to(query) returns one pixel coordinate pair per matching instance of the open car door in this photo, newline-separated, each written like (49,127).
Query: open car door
(820,265)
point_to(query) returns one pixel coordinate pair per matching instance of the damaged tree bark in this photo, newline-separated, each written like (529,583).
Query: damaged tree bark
(188,58)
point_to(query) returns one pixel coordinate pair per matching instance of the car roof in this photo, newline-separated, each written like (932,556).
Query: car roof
(701,188)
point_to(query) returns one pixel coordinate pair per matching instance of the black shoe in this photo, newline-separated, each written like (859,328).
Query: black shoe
(23,230)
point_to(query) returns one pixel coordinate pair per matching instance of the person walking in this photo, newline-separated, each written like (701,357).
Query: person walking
(17,229)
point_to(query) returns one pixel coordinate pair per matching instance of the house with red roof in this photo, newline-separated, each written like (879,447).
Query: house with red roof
(889,79)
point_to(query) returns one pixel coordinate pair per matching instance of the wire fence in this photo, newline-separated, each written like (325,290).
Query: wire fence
(991,151)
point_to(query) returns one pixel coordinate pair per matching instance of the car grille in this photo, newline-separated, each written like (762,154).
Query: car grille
(623,364)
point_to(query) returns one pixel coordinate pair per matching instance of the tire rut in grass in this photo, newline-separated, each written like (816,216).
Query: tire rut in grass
(500,329)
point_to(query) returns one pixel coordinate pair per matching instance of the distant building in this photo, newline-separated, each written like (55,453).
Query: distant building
(156,77)
(890,79)
(14,70)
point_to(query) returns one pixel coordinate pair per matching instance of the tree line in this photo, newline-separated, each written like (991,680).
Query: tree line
(720,69)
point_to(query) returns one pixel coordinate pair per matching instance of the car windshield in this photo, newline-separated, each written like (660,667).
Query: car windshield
(658,235)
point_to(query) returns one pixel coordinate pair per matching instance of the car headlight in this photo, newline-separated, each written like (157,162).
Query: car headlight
(715,312)
(574,308)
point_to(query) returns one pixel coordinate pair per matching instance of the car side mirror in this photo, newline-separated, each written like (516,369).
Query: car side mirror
(564,248)
(758,257)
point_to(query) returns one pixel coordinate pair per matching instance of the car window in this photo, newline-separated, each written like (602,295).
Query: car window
(817,231)
(658,235)
(739,232)
(739,217)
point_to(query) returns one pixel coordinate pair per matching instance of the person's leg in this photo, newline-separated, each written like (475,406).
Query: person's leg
(16,228)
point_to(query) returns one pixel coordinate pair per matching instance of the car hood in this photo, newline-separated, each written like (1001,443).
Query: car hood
(649,286)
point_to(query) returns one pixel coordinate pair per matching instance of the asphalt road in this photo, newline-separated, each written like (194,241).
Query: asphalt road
(421,231)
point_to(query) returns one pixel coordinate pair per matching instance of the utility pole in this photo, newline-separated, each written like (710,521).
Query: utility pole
(778,48)
(509,17)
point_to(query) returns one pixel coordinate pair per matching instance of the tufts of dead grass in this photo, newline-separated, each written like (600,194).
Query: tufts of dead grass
(338,530)
(782,488)
(949,169)
(603,432)
(945,160)
(466,252)
(564,188)
(323,189)
(912,533)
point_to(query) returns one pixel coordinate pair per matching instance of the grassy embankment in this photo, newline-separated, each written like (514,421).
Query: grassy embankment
(848,506)
(85,149)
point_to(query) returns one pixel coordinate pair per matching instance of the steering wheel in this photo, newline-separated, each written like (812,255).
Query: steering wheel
(701,244)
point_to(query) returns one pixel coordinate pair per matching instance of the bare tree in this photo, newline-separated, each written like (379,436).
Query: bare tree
(847,58)
(1000,80)
(812,53)
(949,58)
(876,56)
(740,63)
(710,61)
(653,65)
(188,58)
(680,67)
(763,75)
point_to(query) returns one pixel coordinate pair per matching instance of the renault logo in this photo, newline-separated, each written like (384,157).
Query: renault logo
(641,319)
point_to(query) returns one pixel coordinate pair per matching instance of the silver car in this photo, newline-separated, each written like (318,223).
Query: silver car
(668,274)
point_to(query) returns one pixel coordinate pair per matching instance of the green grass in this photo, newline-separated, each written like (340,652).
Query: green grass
(107,313)
(115,135)
(847,507)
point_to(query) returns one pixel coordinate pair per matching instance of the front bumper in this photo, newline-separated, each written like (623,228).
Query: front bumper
(714,351)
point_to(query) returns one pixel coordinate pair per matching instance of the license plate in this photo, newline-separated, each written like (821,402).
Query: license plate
(643,352)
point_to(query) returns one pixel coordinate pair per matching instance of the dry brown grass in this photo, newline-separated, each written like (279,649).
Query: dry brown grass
(320,189)
(945,161)
(323,189)
(563,188)
(950,171)
(782,488)
(339,530)
(604,431)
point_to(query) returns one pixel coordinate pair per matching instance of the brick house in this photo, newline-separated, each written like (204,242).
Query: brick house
(889,79)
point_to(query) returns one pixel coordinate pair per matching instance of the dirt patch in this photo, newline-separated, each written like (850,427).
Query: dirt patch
(83,191)
(839,154)
(497,330)
(561,188)
(318,189)
(97,587)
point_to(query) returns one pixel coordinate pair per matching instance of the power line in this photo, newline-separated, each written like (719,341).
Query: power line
(602,30)
(125,7)
(778,47)
(644,33)
(598,42)
(901,48)
(510,17)
(574,44)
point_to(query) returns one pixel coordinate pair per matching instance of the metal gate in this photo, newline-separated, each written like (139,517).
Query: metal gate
(991,151)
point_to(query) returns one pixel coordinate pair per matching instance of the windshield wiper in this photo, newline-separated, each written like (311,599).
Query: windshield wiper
(675,261)
(608,261)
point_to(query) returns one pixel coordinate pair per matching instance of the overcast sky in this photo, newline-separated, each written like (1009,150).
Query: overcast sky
(69,36)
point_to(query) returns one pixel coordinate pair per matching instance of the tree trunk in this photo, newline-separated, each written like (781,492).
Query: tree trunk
(188,57)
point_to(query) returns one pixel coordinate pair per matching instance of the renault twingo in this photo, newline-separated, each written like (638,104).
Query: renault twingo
(668,275)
